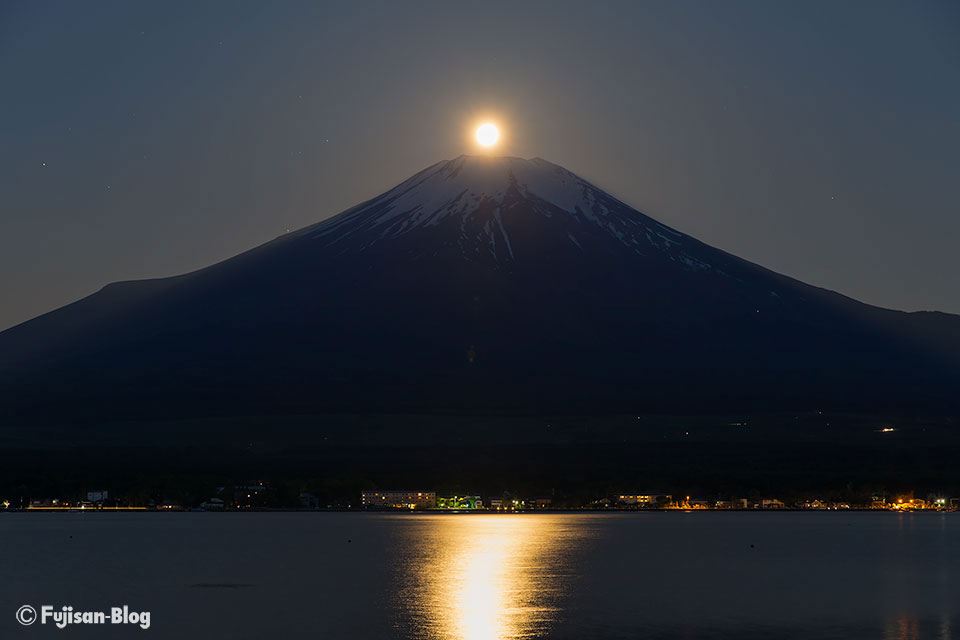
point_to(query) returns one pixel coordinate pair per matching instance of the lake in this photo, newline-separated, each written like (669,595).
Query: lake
(372,576)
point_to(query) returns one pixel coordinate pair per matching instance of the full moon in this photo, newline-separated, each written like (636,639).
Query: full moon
(487,135)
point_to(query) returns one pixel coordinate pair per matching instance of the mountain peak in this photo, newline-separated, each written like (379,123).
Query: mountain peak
(479,200)
(495,175)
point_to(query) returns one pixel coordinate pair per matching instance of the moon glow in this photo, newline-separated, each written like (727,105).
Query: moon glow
(487,135)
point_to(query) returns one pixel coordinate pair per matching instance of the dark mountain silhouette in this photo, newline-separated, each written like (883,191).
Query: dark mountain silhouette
(479,285)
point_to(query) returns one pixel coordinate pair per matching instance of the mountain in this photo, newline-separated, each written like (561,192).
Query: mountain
(478,285)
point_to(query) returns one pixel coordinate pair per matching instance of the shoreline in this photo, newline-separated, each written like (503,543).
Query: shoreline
(451,512)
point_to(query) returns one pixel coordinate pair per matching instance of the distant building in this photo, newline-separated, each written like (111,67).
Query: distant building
(541,503)
(771,503)
(213,504)
(400,499)
(308,501)
(908,502)
(47,503)
(506,502)
(97,496)
(645,499)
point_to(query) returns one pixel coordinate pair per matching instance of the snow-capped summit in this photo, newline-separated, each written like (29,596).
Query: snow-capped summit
(483,198)
(460,186)
(478,284)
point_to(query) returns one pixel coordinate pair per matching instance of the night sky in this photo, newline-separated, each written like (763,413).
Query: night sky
(148,139)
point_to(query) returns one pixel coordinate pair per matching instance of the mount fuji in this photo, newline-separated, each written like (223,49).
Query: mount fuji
(480,284)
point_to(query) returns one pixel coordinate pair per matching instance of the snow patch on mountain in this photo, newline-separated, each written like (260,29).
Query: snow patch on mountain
(481,193)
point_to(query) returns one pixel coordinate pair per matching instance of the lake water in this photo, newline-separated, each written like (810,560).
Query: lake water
(489,577)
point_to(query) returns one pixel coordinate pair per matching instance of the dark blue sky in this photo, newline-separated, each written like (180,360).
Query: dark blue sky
(819,140)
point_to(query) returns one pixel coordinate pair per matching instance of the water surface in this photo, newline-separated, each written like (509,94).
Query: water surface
(490,577)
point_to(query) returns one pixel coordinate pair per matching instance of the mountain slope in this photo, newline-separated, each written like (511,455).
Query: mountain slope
(479,284)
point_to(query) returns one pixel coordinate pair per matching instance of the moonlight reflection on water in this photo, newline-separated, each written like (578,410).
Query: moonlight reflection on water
(489,577)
